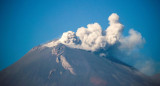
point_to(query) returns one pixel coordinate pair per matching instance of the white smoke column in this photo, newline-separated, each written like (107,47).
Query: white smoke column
(92,39)
(109,42)
(113,32)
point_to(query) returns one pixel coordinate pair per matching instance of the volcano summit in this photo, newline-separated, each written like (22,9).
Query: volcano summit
(64,66)
(84,58)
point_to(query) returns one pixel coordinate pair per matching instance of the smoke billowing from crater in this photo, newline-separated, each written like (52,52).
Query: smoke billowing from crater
(110,42)
(93,38)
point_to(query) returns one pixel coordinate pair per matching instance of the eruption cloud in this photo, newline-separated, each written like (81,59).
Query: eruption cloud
(110,43)
(93,38)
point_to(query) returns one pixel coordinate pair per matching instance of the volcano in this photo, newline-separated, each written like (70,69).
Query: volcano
(60,65)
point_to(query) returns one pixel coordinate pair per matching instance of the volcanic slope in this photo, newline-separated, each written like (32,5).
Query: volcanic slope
(64,66)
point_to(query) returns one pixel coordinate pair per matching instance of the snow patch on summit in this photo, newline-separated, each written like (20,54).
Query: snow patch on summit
(51,44)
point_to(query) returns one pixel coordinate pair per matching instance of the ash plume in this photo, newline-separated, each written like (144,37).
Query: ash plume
(93,37)
(110,42)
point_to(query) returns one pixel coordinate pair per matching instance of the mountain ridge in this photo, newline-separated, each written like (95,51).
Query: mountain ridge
(64,66)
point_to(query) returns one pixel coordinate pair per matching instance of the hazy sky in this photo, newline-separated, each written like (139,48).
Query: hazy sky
(25,24)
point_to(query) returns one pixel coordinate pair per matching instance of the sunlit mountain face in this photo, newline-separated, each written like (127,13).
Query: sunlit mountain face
(60,65)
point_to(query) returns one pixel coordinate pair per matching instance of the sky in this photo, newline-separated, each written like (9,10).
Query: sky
(28,23)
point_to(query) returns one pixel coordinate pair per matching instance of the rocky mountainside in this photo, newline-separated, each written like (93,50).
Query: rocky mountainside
(64,66)
(156,78)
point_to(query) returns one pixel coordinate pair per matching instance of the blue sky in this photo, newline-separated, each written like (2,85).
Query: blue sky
(25,24)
